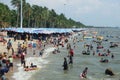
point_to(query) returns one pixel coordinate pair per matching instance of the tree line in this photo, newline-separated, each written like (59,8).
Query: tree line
(34,16)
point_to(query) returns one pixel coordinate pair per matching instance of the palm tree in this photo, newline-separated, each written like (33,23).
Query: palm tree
(27,14)
(52,18)
(13,15)
(16,3)
(45,14)
(35,15)
(4,15)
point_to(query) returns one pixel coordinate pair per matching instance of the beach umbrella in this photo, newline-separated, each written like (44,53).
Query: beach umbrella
(20,30)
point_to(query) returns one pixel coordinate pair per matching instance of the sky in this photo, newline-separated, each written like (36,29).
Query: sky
(89,12)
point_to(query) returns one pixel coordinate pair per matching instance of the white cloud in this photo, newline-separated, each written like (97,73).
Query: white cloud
(48,3)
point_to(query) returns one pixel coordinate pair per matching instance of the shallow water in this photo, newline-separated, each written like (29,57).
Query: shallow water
(54,70)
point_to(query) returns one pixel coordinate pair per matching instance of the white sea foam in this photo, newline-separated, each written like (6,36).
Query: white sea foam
(40,62)
(103,78)
(47,51)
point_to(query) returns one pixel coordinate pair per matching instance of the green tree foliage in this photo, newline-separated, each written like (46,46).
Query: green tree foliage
(35,16)
(4,15)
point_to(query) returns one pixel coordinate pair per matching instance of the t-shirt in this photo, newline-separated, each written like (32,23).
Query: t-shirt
(11,60)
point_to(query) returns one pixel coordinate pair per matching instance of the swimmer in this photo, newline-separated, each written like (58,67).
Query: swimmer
(84,73)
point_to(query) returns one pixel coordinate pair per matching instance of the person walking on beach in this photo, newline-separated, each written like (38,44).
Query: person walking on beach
(9,45)
(65,64)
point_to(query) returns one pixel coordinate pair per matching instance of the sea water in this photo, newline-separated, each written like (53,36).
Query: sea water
(37,60)
(53,70)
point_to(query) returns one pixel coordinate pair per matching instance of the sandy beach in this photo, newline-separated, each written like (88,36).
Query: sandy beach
(16,62)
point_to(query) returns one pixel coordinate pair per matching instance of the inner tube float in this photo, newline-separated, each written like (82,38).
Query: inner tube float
(30,69)
(104,61)
(85,53)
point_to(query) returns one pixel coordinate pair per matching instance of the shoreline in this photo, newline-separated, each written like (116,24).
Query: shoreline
(29,57)
(35,59)
(16,69)
(89,68)
(10,73)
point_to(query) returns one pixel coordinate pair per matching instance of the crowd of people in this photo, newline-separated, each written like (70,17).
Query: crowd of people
(93,47)
(17,50)
(7,58)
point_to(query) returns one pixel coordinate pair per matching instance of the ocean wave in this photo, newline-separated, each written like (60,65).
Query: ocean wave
(39,61)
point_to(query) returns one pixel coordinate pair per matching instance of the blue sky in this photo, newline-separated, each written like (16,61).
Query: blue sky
(88,12)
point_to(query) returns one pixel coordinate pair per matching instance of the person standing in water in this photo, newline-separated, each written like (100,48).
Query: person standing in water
(11,62)
(71,52)
(65,64)
(93,53)
(84,73)
(70,60)
(112,56)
